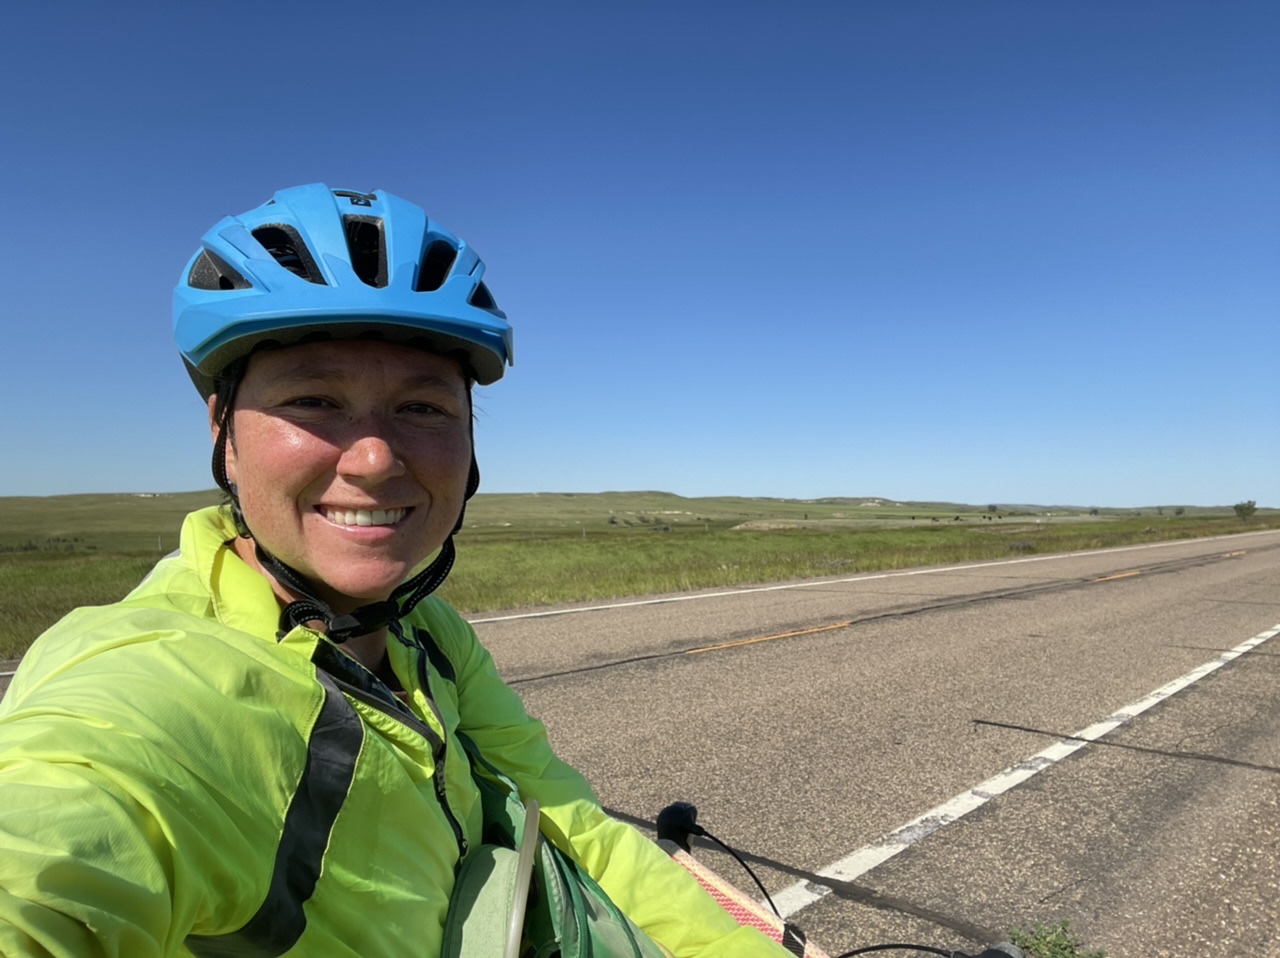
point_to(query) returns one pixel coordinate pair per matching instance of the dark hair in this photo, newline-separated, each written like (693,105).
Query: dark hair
(226,385)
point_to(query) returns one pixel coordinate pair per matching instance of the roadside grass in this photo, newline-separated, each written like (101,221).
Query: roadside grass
(117,524)
(521,551)
(1052,941)
(543,568)
(38,589)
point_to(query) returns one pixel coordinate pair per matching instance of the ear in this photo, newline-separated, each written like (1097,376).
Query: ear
(213,424)
(229,453)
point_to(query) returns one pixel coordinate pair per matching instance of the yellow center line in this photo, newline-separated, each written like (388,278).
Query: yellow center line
(1119,575)
(768,638)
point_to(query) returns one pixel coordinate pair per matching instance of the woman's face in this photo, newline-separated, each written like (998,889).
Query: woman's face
(350,460)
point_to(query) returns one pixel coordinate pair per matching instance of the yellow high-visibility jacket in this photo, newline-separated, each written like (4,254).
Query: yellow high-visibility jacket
(175,781)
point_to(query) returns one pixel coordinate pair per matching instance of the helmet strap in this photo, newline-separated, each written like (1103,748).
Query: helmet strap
(340,627)
(220,462)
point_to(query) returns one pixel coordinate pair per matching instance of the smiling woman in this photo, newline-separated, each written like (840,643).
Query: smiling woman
(270,746)
(349,462)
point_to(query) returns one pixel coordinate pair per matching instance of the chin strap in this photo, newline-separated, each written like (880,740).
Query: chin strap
(368,618)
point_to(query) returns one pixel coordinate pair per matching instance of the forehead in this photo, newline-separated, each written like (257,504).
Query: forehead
(355,360)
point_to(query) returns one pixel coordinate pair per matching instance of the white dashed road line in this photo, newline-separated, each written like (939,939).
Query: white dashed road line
(802,894)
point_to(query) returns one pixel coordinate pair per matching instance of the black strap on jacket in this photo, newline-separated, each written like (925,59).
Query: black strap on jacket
(332,750)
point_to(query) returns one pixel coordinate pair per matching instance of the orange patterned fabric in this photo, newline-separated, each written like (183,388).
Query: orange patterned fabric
(744,909)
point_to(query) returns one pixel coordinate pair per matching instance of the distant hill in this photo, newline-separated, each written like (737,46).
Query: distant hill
(149,522)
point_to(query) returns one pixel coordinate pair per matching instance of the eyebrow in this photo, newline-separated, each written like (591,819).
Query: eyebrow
(309,374)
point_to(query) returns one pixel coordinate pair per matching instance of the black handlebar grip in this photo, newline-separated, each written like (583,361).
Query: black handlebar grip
(677,822)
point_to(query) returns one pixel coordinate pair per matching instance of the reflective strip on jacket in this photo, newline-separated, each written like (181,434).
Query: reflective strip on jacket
(174,781)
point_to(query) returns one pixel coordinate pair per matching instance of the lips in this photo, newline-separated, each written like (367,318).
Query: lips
(363,517)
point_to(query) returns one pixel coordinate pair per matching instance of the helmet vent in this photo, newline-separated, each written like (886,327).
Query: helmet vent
(357,199)
(482,298)
(286,248)
(210,271)
(368,249)
(437,261)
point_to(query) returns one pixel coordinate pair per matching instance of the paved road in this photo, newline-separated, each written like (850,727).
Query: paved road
(807,722)
(1161,839)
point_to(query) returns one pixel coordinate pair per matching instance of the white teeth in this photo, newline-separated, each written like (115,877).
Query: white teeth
(365,517)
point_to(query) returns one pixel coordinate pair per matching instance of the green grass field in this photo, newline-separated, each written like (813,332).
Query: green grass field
(516,551)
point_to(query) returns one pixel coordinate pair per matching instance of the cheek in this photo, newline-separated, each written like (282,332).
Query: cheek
(453,464)
(273,461)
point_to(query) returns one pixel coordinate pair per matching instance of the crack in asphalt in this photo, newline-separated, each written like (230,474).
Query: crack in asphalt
(946,603)
(1222,651)
(1144,749)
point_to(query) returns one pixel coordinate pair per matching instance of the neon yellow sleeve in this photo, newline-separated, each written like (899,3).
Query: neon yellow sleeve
(124,825)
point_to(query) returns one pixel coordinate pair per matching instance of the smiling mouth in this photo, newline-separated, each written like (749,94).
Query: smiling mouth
(364,517)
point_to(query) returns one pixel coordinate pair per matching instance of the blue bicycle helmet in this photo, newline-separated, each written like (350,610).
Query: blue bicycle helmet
(315,263)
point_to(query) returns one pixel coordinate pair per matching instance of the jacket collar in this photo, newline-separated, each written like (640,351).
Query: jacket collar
(242,597)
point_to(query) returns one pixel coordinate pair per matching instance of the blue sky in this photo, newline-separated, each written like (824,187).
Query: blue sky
(988,251)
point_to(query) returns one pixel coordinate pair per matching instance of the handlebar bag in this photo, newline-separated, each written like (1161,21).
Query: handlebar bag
(564,914)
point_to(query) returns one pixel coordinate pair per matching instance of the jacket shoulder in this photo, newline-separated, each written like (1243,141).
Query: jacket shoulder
(446,633)
(147,646)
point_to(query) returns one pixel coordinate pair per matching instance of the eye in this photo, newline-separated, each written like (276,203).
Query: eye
(306,405)
(423,409)
(309,402)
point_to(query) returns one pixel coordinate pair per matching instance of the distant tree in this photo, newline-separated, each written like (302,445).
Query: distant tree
(993,509)
(1159,510)
(1245,510)
(1179,511)
(1093,512)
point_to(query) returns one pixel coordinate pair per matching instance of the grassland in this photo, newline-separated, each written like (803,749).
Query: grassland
(60,552)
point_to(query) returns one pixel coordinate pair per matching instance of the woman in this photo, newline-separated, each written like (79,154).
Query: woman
(256,752)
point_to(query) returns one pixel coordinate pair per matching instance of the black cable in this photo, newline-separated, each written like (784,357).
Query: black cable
(679,820)
(706,834)
(900,947)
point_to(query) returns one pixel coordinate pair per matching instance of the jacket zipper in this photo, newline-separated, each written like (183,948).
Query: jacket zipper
(439,746)
(424,680)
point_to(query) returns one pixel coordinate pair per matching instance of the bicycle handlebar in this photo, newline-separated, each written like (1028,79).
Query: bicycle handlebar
(679,820)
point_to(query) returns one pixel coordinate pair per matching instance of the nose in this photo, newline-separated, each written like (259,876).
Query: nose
(370,455)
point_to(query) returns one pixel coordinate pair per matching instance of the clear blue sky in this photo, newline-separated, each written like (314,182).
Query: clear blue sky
(990,251)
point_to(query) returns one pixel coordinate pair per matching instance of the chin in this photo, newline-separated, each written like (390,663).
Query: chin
(362,591)
(363,596)
(348,580)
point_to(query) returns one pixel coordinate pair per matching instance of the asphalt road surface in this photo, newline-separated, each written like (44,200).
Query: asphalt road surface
(810,722)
